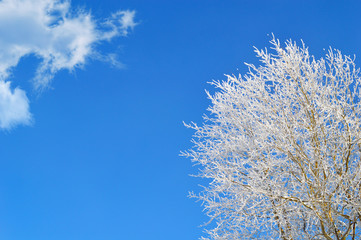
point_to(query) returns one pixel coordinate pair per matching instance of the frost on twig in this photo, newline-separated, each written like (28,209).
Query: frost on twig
(281,148)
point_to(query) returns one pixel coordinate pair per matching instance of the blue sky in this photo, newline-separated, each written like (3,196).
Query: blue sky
(90,139)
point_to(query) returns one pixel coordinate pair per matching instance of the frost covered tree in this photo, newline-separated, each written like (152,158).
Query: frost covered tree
(281,148)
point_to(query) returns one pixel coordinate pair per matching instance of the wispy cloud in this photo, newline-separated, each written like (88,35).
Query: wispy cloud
(58,35)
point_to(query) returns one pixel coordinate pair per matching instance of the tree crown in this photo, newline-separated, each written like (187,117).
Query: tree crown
(282,148)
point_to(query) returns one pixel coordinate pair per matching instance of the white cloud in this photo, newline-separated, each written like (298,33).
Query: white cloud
(119,23)
(14,106)
(61,37)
